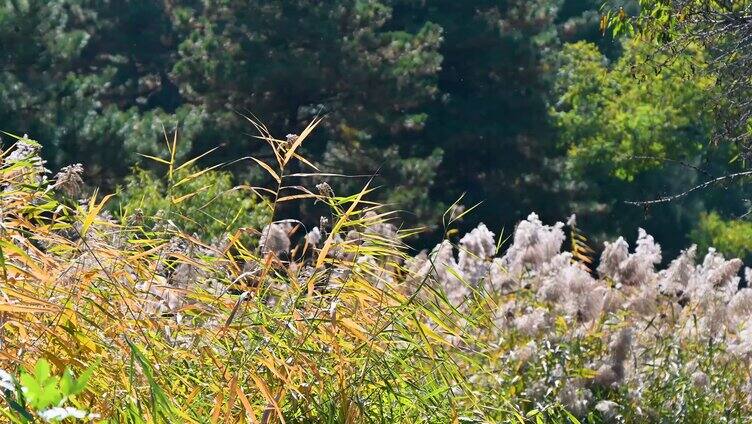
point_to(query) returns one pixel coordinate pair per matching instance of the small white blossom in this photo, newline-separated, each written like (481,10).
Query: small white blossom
(6,381)
(62,413)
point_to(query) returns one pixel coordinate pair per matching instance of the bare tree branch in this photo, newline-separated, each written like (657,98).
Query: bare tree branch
(729,177)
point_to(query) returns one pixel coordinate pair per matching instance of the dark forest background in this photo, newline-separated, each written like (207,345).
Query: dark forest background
(524,105)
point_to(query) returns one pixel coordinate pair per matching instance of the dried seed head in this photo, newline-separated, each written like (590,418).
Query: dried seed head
(274,238)
(609,410)
(325,190)
(534,245)
(633,269)
(69,180)
(700,379)
(313,237)
(533,322)
(26,150)
(291,139)
(575,399)
(456,211)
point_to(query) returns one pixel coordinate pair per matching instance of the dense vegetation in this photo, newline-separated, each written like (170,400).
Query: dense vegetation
(135,320)
(241,240)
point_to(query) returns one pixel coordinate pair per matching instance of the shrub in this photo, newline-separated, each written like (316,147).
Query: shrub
(732,237)
(198,201)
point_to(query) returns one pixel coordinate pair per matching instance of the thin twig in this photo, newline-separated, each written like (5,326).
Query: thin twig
(693,189)
(676,161)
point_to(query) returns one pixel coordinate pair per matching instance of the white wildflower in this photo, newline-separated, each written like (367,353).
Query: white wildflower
(611,374)
(647,247)
(742,346)
(621,345)
(534,244)
(524,353)
(609,410)
(6,381)
(631,269)
(644,301)
(441,268)
(739,308)
(575,399)
(26,150)
(673,280)
(533,322)
(606,376)
(715,276)
(62,413)
(569,286)
(537,390)
(613,300)
(613,255)
(476,250)
(503,316)
(500,280)
(589,305)
(414,264)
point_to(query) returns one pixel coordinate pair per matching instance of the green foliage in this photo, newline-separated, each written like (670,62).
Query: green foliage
(98,80)
(86,80)
(722,28)
(632,133)
(611,116)
(731,237)
(435,99)
(43,390)
(207,204)
(41,393)
(491,122)
(288,61)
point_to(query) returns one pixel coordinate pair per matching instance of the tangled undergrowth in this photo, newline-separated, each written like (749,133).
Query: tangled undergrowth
(133,320)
